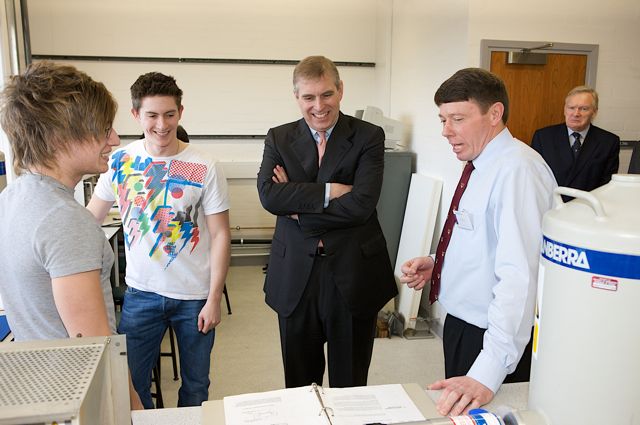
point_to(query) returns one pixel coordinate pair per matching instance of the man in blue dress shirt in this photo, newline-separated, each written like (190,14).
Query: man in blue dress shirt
(489,274)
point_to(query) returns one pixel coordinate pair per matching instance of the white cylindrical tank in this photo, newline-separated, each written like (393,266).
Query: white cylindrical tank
(586,349)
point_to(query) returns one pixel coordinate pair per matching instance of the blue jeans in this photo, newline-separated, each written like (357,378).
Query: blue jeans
(145,318)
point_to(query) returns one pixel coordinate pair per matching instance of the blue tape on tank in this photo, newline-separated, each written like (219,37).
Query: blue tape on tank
(596,262)
(482,418)
(478,420)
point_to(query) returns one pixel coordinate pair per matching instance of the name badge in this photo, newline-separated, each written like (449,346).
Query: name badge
(464,219)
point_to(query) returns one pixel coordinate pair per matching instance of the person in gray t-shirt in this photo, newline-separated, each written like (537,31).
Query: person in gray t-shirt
(46,237)
(55,263)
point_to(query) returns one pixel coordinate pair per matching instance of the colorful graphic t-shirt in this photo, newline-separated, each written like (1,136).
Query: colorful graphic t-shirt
(163,202)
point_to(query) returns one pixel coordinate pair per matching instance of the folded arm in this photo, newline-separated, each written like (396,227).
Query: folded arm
(289,196)
(356,206)
(351,202)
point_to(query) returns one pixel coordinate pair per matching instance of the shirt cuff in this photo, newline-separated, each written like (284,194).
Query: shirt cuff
(327,192)
(488,371)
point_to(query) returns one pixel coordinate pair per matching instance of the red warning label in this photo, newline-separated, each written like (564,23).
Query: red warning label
(604,283)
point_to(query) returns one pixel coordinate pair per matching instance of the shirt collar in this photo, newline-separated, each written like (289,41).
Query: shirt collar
(583,133)
(493,150)
(316,136)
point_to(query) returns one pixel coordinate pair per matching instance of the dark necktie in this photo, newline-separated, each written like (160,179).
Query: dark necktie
(576,145)
(322,144)
(446,232)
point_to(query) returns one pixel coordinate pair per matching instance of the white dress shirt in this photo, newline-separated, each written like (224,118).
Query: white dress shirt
(489,275)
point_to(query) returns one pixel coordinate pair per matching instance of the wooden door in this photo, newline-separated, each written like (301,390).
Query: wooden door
(537,92)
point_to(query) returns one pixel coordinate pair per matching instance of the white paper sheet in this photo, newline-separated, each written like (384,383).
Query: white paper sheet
(387,404)
(348,406)
(292,406)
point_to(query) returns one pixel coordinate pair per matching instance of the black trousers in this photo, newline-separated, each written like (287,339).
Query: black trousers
(462,343)
(323,316)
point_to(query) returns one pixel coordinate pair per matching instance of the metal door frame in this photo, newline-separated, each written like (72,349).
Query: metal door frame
(590,50)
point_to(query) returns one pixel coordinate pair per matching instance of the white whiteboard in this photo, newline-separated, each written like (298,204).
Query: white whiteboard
(418,227)
(219,99)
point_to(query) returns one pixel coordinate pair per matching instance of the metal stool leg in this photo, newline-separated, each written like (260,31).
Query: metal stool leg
(155,378)
(174,361)
(226,298)
(172,354)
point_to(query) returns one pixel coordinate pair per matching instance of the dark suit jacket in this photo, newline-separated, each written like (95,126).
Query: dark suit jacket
(597,161)
(348,227)
(634,163)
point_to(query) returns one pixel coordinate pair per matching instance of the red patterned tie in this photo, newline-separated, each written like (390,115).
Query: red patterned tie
(322,144)
(446,232)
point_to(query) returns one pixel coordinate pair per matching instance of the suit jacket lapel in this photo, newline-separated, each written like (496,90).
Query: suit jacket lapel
(305,149)
(563,151)
(564,145)
(586,151)
(337,146)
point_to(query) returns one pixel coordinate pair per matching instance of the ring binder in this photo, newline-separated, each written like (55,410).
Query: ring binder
(323,409)
(337,406)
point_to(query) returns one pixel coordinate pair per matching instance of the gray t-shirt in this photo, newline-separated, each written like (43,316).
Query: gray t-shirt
(45,233)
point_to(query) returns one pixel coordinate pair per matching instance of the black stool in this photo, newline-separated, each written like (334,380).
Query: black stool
(118,300)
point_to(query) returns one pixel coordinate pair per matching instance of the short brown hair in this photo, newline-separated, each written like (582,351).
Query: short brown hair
(49,109)
(474,84)
(313,68)
(154,84)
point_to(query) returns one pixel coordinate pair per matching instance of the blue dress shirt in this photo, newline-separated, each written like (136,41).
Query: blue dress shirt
(490,271)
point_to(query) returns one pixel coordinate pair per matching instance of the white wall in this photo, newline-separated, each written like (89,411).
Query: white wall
(433,39)
(218,98)
(222,99)
(383,44)
(613,25)
(429,43)
(416,45)
(284,29)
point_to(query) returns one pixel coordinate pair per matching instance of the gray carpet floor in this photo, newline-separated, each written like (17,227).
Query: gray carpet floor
(246,355)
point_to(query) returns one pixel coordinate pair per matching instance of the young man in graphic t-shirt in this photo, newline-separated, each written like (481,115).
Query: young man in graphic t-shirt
(174,207)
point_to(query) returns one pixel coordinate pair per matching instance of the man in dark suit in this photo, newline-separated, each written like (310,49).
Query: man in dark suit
(329,271)
(581,155)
